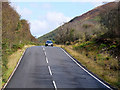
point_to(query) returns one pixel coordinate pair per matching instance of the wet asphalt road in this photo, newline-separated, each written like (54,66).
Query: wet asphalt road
(50,67)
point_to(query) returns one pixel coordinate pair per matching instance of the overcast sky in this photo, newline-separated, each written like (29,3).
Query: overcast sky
(45,16)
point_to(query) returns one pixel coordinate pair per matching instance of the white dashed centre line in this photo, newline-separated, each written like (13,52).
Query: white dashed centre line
(46,59)
(54,85)
(45,53)
(43,49)
(50,70)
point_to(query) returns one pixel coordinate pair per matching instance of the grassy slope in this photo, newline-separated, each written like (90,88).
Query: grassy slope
(97,67)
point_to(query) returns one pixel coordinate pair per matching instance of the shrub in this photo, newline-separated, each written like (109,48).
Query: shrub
(17,46)
(102,46)
(112,46)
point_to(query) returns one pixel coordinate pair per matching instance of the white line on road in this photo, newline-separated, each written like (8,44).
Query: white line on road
(50,70)
(45,53)
(86,70)
(54,85)
(43,49)
(46,59)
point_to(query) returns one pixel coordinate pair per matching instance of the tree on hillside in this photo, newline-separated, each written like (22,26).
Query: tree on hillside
(65,36)
(10,19)
(86,34)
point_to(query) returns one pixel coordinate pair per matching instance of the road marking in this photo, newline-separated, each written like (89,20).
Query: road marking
(86,70)
(43,49)
(46,59)
(54,85)
(45,53)
(14,70)
(50,70)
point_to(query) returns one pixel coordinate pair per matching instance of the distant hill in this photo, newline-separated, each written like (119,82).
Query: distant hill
(49,36)
(88,23)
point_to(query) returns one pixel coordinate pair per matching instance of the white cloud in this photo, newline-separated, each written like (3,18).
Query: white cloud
(24,12)
(43,24)
(50,22)
(57,17)
(38,27)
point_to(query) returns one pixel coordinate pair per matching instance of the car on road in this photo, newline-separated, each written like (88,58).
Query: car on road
(49,43)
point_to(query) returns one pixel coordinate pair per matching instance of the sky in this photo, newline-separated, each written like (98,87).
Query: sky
(45,16)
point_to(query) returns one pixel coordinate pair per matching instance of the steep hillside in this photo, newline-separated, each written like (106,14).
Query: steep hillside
(84,24)
(15,34)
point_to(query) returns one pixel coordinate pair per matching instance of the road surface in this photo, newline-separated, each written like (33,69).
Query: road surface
(51,67)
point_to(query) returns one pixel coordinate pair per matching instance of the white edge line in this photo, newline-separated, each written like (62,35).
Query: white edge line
(54,85)
(14,70)
(50,70)
(87,71)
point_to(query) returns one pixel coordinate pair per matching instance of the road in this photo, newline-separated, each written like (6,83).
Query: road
(52,67)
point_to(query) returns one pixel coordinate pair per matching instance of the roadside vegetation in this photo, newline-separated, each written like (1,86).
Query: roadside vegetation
(12,62)
(102,67)
(94,39)
(15,35)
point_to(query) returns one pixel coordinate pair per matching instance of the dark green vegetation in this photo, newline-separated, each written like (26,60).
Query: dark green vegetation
(96,33)
(15,34)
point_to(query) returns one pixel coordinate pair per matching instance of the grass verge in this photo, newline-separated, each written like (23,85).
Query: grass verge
(12,61)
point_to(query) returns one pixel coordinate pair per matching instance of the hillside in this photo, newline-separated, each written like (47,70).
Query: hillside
(48,36)
(79,24)
(15,34)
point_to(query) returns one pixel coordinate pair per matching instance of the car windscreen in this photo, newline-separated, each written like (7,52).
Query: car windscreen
(48,41)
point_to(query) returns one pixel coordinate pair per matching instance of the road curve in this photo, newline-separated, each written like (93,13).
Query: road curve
(51,67)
